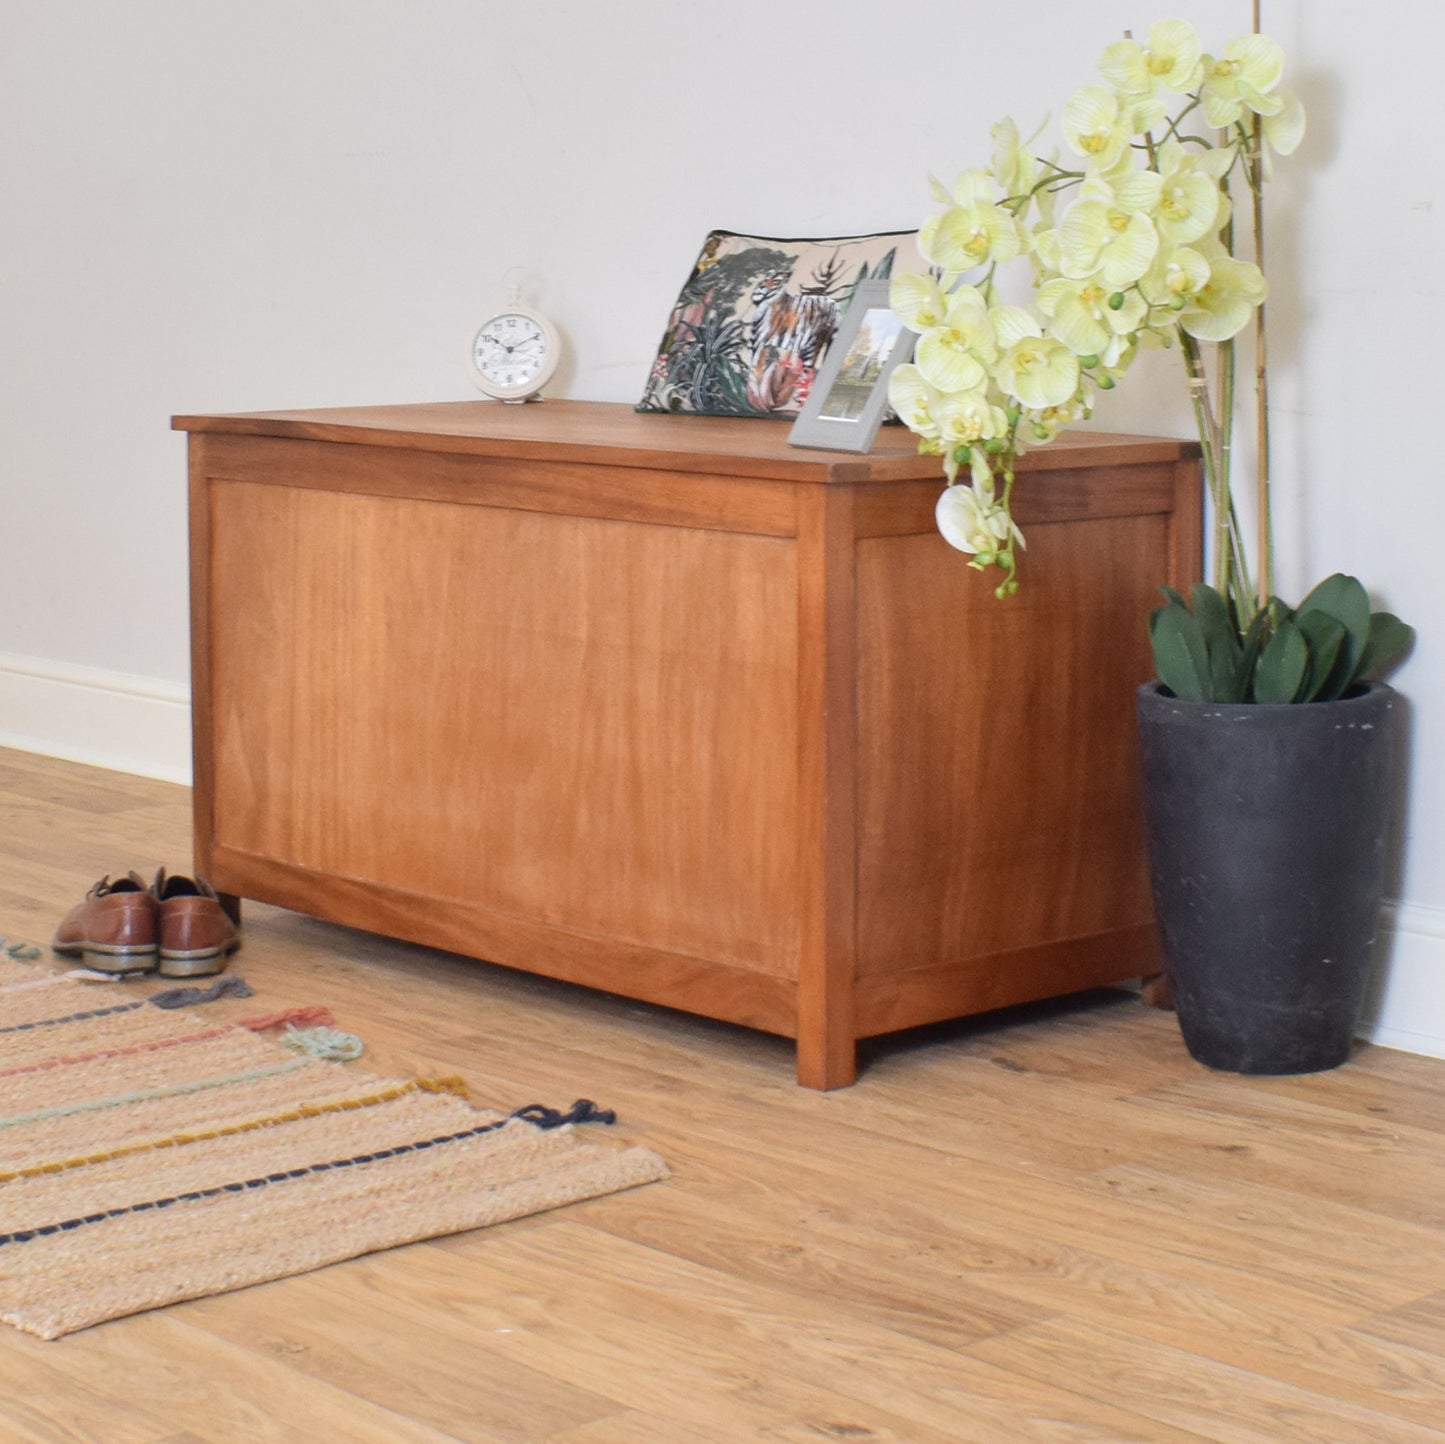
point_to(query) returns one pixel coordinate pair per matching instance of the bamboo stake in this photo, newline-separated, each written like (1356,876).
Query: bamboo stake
(1265,544)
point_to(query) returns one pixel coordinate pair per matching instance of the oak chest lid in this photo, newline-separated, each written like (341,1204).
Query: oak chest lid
(611,433)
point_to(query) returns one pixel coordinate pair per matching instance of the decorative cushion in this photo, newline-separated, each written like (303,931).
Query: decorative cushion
(755,318)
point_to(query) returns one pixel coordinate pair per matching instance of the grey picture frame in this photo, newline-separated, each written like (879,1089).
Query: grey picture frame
(850,394)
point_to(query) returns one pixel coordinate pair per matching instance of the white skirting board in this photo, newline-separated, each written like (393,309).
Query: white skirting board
(142,725)
(86,714)
(1406,1007)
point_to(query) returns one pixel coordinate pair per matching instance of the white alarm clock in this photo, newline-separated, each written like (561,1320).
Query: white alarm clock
(514,353)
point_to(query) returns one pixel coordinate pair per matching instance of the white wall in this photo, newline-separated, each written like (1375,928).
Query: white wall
(222,205)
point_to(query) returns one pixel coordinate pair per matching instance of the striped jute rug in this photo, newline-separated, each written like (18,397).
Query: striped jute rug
(150,1155)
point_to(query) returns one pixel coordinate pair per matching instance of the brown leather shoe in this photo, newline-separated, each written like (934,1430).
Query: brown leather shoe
(195,933)
(114,929)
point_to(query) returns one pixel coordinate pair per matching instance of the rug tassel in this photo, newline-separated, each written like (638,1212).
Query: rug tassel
(228,987)
(329,1043)
(582,1111)
(450,1084)
(302,1017)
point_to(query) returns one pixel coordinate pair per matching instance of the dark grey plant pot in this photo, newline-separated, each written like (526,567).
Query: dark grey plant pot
(1267,828)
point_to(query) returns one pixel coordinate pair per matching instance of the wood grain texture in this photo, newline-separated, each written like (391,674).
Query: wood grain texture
(681,497)
(531,714)
(827,837)
(670,707)
(738,995)
(1046,1224)
(999,806)
(1180,1390)
(606,434)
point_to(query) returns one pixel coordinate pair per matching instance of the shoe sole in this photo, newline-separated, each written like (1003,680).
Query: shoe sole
(198,964)
(108,958)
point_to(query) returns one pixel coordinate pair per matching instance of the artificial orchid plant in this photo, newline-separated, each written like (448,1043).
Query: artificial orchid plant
(1133,243)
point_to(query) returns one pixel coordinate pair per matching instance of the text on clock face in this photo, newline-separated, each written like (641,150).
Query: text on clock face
(510,349)
(507,368)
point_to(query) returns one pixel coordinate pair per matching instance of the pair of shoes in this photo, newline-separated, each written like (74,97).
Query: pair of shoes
(173,925)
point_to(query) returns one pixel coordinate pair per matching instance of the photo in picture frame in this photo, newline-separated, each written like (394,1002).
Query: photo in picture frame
(757,317)
(850,393)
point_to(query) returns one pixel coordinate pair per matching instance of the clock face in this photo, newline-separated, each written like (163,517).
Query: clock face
(511,351)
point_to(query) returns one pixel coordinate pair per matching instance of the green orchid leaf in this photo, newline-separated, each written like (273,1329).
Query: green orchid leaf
(1345,599)
(1224,683)
(1254,639)
(1180,657)
(1221,640)
(1283,665)
(1210,607)
(1325,637)
(1389,640)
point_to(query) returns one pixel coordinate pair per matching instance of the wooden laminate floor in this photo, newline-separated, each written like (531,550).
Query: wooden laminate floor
(1046,1225)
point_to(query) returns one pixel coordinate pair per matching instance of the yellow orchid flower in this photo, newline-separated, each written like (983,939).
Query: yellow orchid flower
(946,361)
(967,417)
(974,523)
(1178,274)
(968,313)
(1093,127)
(1222,307)
(1081,317)
(1053,419)
(1241,79)
(918,301)
(914,401)
(1015,166)
(1172,57)
(1284,130)
(972,231)
(1102,237)
(1038,371)
(953,355)
(1188,203)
